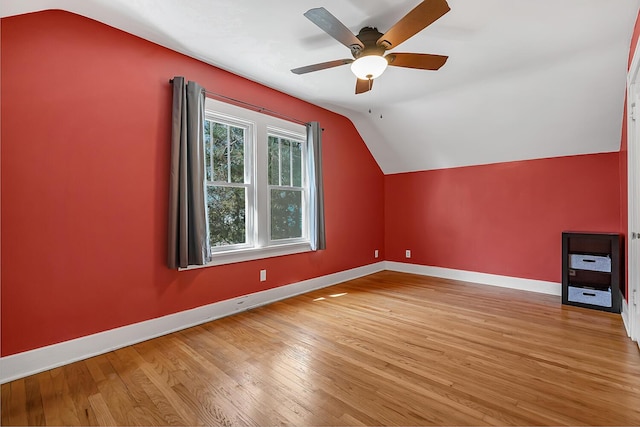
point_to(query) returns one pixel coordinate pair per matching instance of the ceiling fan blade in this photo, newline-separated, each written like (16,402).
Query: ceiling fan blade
(332,26)
(421,61)
(363,85)
(423,15)
(321,66)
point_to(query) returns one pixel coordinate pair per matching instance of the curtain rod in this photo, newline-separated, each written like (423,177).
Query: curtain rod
(252,106)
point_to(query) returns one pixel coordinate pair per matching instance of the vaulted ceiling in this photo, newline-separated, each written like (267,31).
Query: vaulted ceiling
(525,79)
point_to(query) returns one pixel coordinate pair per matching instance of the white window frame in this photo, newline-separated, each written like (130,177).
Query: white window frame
(259,245)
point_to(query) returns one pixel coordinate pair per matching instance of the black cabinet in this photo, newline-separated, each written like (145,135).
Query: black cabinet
(592,270)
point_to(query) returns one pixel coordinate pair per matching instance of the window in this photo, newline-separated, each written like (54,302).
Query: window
(257,193)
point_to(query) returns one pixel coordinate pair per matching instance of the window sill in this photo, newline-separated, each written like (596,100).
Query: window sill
(242,255)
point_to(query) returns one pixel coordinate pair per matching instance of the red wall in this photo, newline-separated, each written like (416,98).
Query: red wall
(85,116)
(504,218)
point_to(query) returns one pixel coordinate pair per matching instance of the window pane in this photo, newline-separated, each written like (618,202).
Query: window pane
(207,150)
(285,162)
(286,214)
(227,215)
(220,165)
(296,163)
(274,170)
(237,154)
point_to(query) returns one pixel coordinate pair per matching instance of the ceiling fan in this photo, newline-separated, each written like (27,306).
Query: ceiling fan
(369,46)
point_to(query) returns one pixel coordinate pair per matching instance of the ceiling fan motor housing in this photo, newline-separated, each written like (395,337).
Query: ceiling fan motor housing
(369,37)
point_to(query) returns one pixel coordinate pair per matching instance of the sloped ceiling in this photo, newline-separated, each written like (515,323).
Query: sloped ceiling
(525,79)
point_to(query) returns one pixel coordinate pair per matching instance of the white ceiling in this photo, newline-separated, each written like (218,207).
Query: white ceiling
(525,79)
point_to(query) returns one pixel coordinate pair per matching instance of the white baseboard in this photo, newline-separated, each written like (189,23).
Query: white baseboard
(41,359)
(624,312)
(540,286)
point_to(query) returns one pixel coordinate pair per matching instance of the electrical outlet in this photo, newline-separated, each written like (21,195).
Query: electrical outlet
(375,253)
(407,253)
(263,275)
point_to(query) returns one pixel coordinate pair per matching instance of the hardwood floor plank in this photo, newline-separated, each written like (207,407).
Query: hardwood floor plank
(81,385)
(63,398)
(385,349)
(134,394)
(101,410)
(127,404)
(35,411)
(51,398)
(208,382)
(5,405)
(17,407)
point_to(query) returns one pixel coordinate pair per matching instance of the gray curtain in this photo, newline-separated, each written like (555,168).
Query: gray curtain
(188,240)
(316,196)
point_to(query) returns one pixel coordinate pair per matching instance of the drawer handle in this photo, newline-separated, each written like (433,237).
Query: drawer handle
(588,260)
(588,294)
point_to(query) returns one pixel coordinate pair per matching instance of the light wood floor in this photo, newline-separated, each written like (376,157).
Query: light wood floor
(387,349)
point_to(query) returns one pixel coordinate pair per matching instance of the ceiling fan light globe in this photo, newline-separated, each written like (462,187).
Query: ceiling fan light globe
(369,67)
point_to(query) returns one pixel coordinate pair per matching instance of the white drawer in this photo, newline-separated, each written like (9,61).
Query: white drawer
(597,297)
(590,262)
